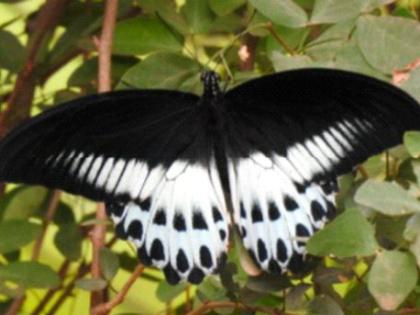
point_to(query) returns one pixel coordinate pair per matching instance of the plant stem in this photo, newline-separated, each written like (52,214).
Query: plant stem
(104,85)
(107,307)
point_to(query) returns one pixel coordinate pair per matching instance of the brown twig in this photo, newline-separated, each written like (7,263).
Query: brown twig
(104,85)
(20,100)
(98,239)
(51,209)
(105,46)
(119,298)
(50,293)
(206,307)
(82,271)
(68,289)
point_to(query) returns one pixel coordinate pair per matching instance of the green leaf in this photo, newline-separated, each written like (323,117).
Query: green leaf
(68,241)
(350,234)
(412,143)
(392,277)
(87,73)
(168,11)
(64,214)
(198,15)
(79,27)
(388,43)
(17,233)
(23,202)
(164,71)
(224,7)
(387,198)
(332,11)
(109,263)
(350,58)
(324,305)
(266,282)
(412,85)
(282,12)
(12,53)
(30,274)
(326,46)
(91,284)
(166,292)
(142,36)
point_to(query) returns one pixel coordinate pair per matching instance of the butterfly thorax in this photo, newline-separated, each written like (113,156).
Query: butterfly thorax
(211,91)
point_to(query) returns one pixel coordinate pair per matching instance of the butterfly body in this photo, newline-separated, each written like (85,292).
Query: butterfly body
(177,171)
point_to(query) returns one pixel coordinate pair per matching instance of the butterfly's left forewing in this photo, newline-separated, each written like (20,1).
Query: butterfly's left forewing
(149,155)
(288,136)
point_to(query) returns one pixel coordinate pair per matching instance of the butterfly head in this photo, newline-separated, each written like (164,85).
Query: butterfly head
(211,81)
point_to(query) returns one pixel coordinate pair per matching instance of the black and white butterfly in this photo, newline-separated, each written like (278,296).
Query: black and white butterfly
(177,171)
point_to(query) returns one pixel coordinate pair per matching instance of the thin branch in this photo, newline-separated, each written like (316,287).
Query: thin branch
(68,289)
(82,271)
(280,40)
(98,239)
(105,46)
(51,209)
(104,85)
(20,100)
(105,308)
(50,293)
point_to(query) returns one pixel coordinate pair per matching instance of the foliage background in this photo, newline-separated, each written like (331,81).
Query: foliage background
(371,252)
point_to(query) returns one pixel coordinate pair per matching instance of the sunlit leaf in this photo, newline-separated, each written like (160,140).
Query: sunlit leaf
(91,284)
(388,43)
(164,71)
(282,12)
(23,202)
(109,263)
(388,198)
(392,277)
(142,36)
(30,274)
(17,233)
(332,11)
(412,143)
(350,234)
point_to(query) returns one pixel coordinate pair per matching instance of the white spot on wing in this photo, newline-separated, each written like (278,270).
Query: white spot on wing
(93,173)
(115,175)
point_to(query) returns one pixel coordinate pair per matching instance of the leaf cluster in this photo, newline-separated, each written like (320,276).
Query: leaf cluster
(365,262)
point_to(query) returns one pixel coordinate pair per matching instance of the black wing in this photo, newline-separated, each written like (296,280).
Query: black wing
(149,155)
(288,136)
(81,146)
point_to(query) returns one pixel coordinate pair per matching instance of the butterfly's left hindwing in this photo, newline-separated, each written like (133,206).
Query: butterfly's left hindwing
(149,155)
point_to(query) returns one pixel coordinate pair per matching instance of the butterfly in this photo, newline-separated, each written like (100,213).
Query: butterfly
(179,172)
